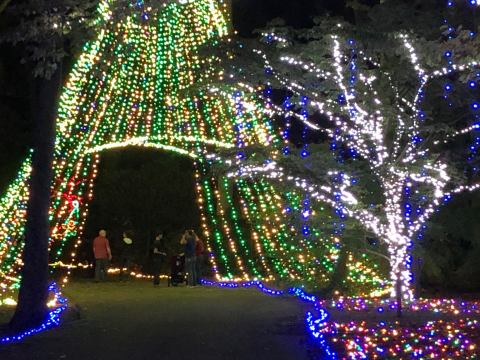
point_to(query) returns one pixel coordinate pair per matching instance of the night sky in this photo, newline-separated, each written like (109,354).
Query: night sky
(249,15)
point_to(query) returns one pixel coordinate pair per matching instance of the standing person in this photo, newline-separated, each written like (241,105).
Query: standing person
(159,255)
(126,255)
(103,254)
(189,240)
(199,259)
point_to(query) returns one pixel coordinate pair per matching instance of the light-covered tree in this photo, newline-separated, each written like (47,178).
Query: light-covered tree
(45,33)
(381,94)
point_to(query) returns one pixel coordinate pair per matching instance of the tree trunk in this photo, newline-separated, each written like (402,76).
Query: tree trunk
(417,267)
(3,5)
(339,274)
(398,292)
(400,275)
(31,309)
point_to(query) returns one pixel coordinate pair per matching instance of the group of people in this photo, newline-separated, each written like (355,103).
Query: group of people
(193,249)
(103,255)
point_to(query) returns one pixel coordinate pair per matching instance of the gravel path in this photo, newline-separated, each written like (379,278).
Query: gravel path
(134,320)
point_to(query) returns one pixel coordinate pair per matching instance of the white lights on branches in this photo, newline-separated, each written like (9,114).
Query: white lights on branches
(361,121)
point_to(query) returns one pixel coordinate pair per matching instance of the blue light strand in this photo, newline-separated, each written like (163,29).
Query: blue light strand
(314,326)
(472,84)
(52,319)
(314,323)
(254,283)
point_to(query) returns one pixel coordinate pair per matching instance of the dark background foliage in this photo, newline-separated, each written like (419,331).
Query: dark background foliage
(142,192)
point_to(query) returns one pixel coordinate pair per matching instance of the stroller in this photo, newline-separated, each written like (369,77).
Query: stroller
(177,271)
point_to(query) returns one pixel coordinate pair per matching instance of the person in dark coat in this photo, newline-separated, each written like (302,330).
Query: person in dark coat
(159,255)
(189,240)
(126,255)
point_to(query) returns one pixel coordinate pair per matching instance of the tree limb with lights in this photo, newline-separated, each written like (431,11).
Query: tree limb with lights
(379,132)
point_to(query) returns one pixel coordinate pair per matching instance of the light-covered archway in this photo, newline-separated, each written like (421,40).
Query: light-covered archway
(143,82)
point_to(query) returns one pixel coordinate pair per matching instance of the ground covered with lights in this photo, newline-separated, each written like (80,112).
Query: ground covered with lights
(428,329)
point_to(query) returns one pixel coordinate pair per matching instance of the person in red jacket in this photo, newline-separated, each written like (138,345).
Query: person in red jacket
(103,254)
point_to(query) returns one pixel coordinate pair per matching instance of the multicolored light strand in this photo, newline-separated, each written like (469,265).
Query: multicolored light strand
(380,339)
(144,82)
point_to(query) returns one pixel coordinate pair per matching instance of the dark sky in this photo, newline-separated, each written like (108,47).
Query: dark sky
(252,14)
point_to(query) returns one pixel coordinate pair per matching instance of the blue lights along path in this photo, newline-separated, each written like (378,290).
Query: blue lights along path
(52,320)
(313,323)
(315,320)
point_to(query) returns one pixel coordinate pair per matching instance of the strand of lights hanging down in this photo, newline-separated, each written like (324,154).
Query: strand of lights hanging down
(116,96)
(143,82)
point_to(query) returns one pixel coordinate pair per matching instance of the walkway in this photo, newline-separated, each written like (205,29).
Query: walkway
(135,321)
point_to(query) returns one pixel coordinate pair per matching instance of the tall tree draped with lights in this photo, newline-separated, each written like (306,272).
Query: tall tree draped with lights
(144,82)
(397,148)
(42,30)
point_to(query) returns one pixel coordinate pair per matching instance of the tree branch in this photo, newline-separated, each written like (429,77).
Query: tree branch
(467,188)
(3,5)
(377,253)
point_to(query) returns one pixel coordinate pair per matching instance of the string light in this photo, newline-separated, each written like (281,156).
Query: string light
(143,83)
(379,339)
(134,86)
(59,304)
(358,114)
